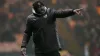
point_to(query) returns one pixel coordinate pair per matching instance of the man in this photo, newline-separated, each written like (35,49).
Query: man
(42,24)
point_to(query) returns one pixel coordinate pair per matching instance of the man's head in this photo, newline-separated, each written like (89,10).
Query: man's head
(38,8)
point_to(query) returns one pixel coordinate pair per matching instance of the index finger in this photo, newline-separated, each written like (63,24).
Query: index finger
(81,8)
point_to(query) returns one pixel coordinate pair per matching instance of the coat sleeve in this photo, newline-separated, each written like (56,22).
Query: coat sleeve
(63,13)
(27,33)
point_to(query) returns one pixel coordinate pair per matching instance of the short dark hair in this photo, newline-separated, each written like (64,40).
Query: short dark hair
(37,4)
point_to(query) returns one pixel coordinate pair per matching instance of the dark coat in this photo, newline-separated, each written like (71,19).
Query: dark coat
(43,29)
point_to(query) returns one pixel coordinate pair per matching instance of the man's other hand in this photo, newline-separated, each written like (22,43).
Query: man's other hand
(23,52)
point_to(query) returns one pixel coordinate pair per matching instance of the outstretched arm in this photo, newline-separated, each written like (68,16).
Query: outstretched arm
(66,12)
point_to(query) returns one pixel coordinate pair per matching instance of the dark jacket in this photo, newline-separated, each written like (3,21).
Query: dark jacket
(43,29)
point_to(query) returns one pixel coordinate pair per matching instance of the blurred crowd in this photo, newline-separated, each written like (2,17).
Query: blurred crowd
(13,15)
(85,29)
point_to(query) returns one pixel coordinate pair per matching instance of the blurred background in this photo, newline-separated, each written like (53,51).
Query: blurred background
(78,35)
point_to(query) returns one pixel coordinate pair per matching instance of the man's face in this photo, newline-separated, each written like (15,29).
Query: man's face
(41,10)
(39,7)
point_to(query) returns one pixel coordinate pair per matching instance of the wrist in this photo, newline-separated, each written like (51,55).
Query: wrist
(74,10)
(23,46)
